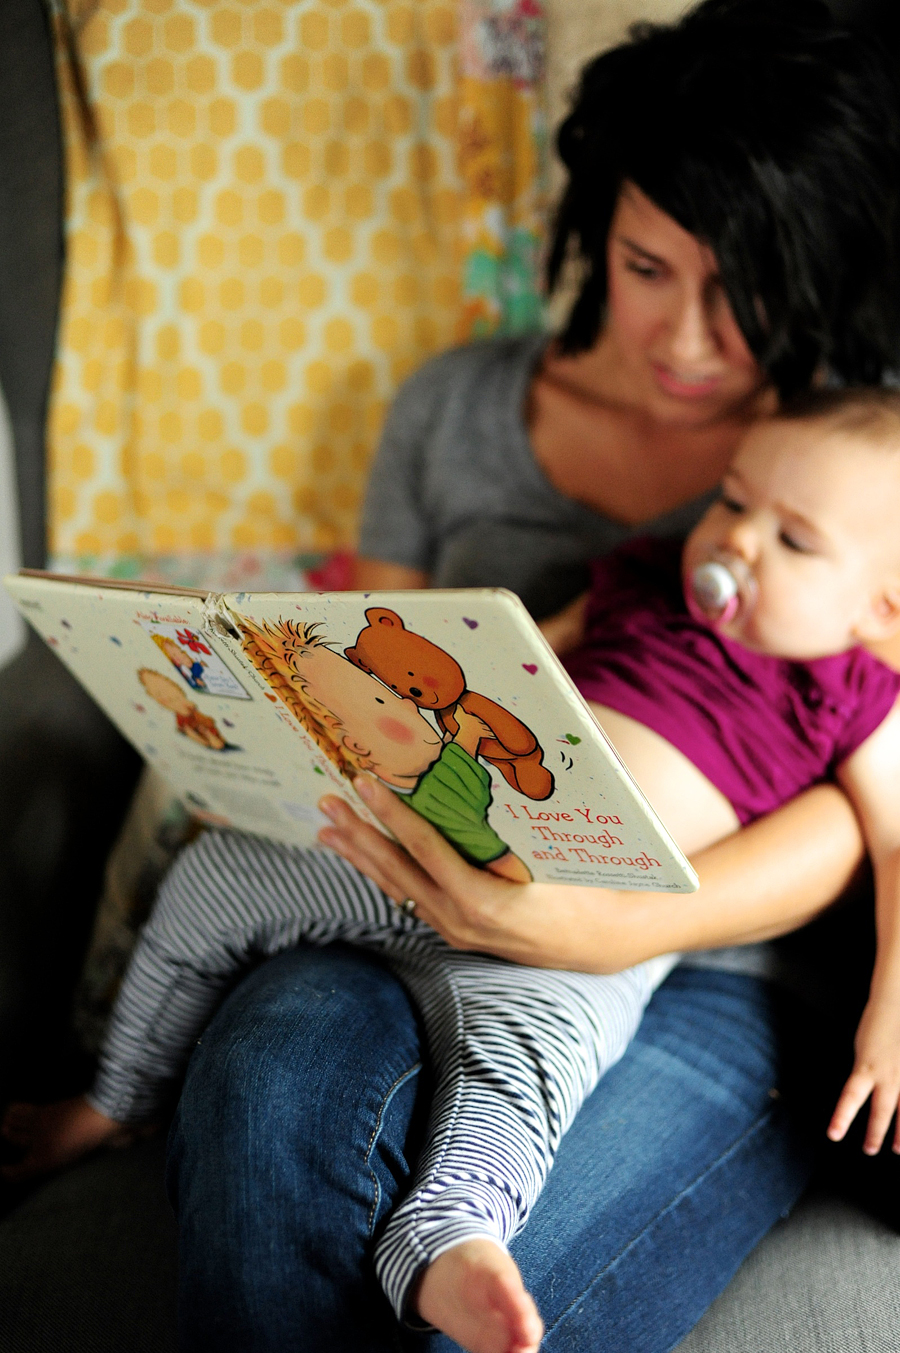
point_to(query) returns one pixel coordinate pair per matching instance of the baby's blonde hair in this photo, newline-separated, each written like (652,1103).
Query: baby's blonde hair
(165,642)
(276,651)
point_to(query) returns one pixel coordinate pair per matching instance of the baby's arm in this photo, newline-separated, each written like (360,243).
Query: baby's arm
(871,778)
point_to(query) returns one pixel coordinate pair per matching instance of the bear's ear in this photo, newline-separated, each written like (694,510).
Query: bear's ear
(380,615)
(357,661)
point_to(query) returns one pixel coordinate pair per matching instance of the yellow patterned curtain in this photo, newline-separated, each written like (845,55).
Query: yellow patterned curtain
(275,210)
(502,141)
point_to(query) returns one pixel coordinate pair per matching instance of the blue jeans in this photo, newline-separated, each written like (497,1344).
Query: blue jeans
(305,1102)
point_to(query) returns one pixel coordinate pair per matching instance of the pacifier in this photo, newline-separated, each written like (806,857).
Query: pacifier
(719,588)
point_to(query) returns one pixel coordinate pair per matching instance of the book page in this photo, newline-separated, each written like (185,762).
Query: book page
(454,699)
(254,705)
(191,707)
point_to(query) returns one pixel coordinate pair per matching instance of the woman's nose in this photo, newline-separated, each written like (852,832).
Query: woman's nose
(693,340)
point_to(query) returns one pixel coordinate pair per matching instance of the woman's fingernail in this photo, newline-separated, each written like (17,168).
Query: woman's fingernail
(363,786)
(328,836)
(330,806)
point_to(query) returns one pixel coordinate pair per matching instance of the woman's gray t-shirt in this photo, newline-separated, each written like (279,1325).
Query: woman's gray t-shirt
(456,491)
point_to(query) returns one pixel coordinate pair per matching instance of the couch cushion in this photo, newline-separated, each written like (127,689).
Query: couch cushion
(826,1280)
(88,1265)
(87,1262)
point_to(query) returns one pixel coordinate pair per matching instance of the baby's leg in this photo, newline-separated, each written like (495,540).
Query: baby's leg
(229,900)
(515,1050)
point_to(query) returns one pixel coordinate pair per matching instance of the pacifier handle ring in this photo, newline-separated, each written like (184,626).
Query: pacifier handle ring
(729,610)
(713,592)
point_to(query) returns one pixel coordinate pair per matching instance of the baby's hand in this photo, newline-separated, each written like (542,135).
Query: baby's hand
(53,1135)
(876,1072)
(471,730)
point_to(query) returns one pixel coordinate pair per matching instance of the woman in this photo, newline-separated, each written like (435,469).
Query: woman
(732,204)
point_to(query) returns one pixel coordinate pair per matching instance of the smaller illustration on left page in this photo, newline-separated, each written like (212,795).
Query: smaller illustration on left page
(189,720)
(191,656)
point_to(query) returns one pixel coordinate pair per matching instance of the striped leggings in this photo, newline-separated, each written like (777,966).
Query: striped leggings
(515,1050)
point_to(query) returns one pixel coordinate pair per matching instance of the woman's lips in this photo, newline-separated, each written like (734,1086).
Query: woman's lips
(683,386)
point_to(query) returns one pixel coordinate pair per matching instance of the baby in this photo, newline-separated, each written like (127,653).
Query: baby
(360,727)
(763,688)
(723,710)
(514,1050)
(189,720)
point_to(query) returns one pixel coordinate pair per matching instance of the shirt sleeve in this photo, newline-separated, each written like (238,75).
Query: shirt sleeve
(454,796)
(394,526)
(872,688)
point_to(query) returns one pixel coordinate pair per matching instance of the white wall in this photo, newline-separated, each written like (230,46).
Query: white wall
(12,627)
(578,29)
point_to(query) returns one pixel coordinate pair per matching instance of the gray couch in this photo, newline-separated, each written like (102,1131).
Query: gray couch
(87,1260)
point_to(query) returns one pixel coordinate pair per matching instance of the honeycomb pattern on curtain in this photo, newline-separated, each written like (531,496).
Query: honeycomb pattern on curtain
(275,210)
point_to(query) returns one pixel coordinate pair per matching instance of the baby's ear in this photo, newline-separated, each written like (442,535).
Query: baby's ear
(882,618)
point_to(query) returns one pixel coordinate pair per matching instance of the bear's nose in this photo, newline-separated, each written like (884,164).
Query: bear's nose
(415,692)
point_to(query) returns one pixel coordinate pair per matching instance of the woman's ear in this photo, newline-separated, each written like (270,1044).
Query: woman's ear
(881,618)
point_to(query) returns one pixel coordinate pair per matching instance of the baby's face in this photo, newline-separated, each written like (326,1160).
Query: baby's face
(374,722)
(175,653)
(813,512)
(165,693)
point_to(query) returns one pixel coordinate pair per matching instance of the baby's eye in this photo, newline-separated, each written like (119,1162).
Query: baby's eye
(792,543)
(731,504)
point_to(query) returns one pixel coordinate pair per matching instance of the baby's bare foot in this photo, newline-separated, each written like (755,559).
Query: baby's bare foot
(53,1135)
(474,1293)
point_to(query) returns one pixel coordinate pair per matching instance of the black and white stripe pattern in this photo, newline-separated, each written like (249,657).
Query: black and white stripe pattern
(515,1050)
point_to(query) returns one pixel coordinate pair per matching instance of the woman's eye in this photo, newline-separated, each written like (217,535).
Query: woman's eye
(646,270)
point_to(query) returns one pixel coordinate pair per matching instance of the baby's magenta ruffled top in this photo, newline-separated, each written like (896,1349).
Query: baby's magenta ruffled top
(762,729)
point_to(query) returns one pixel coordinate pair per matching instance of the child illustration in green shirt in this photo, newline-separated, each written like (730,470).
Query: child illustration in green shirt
(362,726)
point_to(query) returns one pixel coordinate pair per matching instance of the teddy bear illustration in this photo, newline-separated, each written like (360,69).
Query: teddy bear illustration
(415,667)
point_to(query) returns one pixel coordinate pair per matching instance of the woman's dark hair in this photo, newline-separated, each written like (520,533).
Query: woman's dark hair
(773,135)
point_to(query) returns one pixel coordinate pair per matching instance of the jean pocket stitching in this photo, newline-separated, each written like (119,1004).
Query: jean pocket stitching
(376,1131)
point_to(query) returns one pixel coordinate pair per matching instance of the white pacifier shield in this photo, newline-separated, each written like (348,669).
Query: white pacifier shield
(714,586)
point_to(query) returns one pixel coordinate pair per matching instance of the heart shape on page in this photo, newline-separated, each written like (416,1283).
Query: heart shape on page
(530,667)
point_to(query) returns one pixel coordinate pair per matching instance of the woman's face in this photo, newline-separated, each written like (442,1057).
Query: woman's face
(685,359)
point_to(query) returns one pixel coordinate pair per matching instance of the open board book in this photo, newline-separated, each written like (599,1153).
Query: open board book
(253,705)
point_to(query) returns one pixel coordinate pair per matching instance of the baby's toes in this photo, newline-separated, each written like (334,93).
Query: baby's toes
(18,1123)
